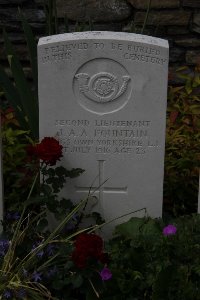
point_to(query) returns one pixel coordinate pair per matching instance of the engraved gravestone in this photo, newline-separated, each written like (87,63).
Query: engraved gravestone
(103,95)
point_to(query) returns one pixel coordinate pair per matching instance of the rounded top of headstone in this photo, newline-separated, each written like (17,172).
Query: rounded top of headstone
(121,36)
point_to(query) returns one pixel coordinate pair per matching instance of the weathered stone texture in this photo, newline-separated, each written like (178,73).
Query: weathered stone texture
(55,82)
(150,30)
(196,22)
(177,30)
(164,18)
(12,1)
(176,55)
(14,38)
(99,10)
(175,20)
(193,57)
(188,42)
(40,2)
(191,3)
(11,15)
(95,27)
(16,27)
(143,4)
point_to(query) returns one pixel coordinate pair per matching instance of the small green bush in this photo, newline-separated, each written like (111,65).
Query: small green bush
(146,264)
(182,154)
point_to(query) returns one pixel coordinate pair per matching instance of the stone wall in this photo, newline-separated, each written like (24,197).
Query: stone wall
(175,20)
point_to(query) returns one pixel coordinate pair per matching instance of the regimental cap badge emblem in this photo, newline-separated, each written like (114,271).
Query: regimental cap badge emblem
(102,85)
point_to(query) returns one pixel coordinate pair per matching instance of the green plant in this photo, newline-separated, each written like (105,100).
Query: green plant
(52,21)
(29,253)
(51,17)
(183,144)
(148,262)
(21,266)
(141,29)
(16,175)
(22,97)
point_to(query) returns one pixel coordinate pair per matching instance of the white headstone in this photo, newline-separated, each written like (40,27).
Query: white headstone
(103,95)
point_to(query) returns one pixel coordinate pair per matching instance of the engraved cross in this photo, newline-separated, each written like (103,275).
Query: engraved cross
(101,189)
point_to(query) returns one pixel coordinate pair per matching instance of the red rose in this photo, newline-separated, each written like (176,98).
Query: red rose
(104,258)
(48,150)
(90,244)
(80,260)
(87,246)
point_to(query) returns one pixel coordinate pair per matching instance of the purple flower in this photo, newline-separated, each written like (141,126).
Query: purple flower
(169,230)
(52,272)
(4,245)
(25,273)
(73,222)
(16,216)
(21,293)
(7,294)
(12,215)
(50,249)
(105,274)
(39,254)
(36,276)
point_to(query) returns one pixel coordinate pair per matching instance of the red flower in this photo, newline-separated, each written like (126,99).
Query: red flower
(79,260)
(8,117)
(105,274)
(173,116)
(87,246)
(48,150)
(104,258)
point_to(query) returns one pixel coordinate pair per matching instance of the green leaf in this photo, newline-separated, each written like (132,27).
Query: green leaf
(90,295)
(58,284)
(151,229)
(184,68)
(46,189)
(69,264)
(163,283)
(78,280)
(139,226)
(195,109)
(75,172)
(28,102)
(130,228)
(32,48)
(13,97)
(66,204)
(60,171)
(51,172)
(42,224)
(36,200)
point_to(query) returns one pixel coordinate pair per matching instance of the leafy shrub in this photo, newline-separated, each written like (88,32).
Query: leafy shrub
(16,175)
(34,262)
(183,144)
(22,97)
(148,264)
